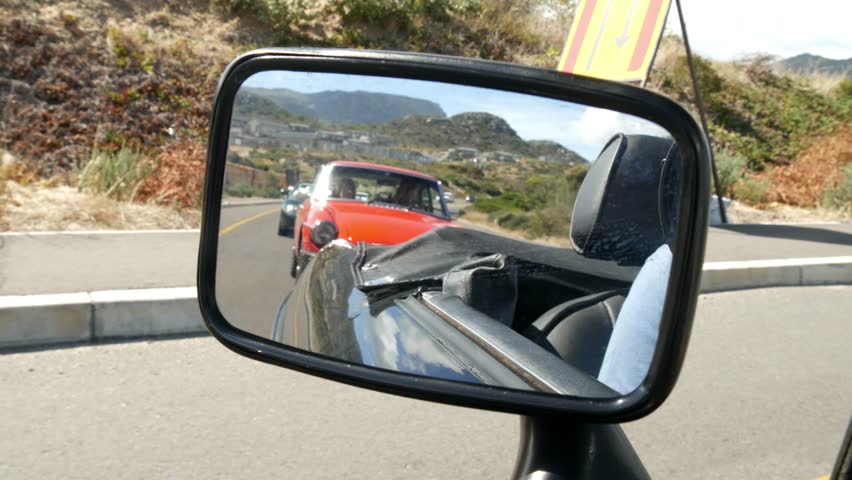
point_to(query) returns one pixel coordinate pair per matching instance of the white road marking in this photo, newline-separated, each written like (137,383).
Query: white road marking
(775,263)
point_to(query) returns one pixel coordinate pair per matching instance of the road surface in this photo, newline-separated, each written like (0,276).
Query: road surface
(253,267)
(68,262)
(764,394)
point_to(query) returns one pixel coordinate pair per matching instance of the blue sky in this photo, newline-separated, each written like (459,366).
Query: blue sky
(582,129)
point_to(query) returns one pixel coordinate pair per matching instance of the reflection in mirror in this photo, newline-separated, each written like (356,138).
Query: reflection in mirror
(450,231)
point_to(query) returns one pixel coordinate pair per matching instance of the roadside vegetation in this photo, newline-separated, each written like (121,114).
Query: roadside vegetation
(111,99)
(779,138)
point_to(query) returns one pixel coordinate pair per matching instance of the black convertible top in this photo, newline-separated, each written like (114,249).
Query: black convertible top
(430,256)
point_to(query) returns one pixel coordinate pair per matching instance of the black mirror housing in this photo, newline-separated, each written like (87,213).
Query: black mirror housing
(687,247)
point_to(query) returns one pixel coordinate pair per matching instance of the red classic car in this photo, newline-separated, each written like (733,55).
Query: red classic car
(365,202)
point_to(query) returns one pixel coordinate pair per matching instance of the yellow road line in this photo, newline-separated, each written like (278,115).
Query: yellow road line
(244,221)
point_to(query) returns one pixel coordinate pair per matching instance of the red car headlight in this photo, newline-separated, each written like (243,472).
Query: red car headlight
(323,232)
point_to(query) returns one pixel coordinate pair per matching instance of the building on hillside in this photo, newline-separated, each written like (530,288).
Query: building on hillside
(461,153)
(504,157)
(434,121)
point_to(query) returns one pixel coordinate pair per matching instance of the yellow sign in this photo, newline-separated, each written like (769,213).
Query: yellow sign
(614,39)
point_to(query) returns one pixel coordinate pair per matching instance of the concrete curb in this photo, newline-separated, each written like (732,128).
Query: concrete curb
(35,320)
(30,320)
(721,276)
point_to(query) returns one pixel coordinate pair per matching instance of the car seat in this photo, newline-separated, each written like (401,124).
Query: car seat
(623,213)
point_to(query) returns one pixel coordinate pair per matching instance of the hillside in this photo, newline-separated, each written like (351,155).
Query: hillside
(347,107)
(112,98)
(248,104)
(396,118)
(475,130)
(763,124)
(482,131)
(554,152)
(807,64)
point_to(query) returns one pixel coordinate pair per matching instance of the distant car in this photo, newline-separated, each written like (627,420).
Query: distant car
(449,197)
(364,202)
(287,217)
(470,198)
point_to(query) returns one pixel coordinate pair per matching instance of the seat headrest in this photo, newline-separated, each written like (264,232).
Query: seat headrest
(624,200)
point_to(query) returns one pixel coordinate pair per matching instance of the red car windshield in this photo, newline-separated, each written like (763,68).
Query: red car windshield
(382,186)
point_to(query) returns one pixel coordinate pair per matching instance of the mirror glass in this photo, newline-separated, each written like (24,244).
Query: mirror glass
(450,231)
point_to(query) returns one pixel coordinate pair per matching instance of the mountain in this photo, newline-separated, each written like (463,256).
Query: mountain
(483,131)
(248,104)
(339,107)
(806,64)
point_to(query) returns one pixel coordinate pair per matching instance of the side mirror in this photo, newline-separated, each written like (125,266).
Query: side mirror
(567,288)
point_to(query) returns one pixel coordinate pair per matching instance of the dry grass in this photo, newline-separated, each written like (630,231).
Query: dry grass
(2,198)
(776,213)
(671,47)
(172,195)
(824,83)
(11,172)
(536,29)
(804,181)
(164,23)
(35,208)
(479,221)
(178,176)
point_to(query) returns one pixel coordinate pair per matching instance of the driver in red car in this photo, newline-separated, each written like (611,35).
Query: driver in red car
(346,188)
(406,194)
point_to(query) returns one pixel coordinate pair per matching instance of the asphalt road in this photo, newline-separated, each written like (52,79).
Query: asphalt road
(73,262)
(764,394)
(253,267)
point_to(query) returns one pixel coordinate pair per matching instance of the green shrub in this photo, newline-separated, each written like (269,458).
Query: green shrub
(756,113)
(752,189)
(840,196)
(551,221)
(844,89)
(118,174)
(245,190)
(506,202)
(240,190)
(278,14)
(399,14)
(513,220)
(731,168)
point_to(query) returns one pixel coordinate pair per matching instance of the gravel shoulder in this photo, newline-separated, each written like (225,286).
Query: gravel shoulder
(36,208)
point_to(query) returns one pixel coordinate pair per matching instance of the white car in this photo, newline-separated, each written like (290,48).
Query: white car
(449,197)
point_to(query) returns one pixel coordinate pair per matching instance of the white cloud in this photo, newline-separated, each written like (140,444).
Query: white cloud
(729,29)
(589,133)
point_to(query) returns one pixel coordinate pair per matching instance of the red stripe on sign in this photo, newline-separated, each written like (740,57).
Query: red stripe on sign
(582,27)
(644,41)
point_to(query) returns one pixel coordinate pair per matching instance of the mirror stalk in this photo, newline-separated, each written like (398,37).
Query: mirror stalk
(554,448)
